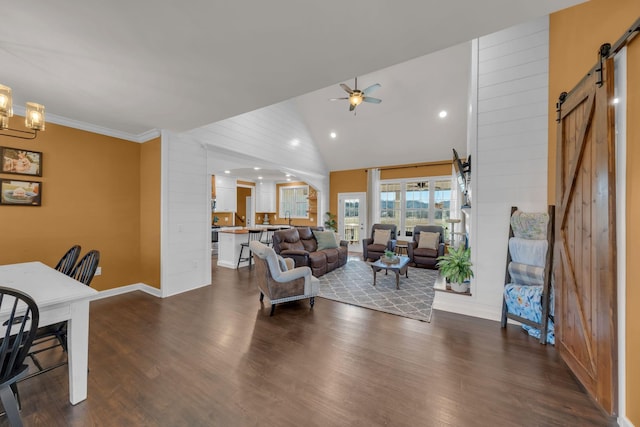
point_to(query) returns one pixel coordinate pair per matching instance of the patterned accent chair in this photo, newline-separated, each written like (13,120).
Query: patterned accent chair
(279,280)
(528,295)
(373,248)
(426,255)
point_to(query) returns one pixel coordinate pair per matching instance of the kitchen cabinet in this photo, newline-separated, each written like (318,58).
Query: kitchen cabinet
(266,197)
(226,195)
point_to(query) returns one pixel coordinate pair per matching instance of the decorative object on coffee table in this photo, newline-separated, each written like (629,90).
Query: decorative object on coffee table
(455,266)
(390,257)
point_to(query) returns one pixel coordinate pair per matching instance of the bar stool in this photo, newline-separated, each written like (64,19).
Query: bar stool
(254,234)
(268,235)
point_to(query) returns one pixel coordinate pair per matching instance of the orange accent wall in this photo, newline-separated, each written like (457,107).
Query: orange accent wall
(242,193)
(91,196)
(575,37)
(347,181)
(150,178)
(414,171)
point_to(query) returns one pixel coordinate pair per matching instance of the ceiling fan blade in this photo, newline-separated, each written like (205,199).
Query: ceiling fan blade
(371,89)
(373,100)
(346,88)
(337,99)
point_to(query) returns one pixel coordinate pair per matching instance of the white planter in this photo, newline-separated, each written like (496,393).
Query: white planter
(460,287)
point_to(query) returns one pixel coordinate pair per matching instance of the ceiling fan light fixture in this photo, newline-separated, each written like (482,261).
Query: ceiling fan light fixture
(355,99)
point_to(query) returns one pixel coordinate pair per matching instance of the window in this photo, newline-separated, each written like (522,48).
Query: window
(294,201)
(410,202)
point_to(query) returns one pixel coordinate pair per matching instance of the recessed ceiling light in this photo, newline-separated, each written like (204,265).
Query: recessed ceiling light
(616,100)
(227,171)
(256,168)
(442,114)
(288,175)
(295,142)
(259,177)
(288,179)
(333,135)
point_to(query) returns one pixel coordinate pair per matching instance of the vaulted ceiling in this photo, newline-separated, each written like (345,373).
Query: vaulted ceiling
(131,67)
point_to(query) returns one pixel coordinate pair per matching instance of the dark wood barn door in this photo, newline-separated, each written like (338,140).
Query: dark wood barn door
(585,254)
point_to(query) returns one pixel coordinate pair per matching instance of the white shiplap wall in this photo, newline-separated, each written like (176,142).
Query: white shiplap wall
(186,232)
(263,138)
(509,154)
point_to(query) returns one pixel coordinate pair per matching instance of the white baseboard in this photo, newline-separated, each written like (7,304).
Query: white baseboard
(460,307)
(232,265)
(624,422)
(129,288)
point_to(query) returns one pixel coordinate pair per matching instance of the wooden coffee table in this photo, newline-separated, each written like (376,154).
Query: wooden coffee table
(399,268)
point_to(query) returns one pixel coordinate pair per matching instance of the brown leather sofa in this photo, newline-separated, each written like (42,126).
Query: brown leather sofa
(300,244)
(426,257)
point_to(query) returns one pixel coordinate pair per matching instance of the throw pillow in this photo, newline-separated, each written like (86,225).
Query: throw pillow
(283,264)
(429,240)
(325,239)
(381,237)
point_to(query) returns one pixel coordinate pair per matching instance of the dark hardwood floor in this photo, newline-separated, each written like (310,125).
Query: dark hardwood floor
(214,357)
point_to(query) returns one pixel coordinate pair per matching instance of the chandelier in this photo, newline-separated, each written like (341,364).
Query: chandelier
(33,117)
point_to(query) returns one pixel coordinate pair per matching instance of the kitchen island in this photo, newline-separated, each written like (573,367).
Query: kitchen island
(229,241)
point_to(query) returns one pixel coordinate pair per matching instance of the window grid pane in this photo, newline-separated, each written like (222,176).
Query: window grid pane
(391,210)
(408,203)
(417,205)
(294,202)
(442,202)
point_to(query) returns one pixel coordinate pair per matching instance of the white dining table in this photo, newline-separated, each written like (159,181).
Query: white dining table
(59,298)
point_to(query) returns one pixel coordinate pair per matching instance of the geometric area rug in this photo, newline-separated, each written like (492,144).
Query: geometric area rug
(353,284)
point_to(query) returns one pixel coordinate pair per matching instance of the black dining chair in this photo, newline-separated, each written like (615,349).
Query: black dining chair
(86,268)
(83,272)
(19,326)
(68,260)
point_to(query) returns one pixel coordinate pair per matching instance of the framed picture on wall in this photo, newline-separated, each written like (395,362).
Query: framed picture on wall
(20,193)
(22,162)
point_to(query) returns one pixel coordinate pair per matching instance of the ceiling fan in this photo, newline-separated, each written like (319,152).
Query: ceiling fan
(357,96)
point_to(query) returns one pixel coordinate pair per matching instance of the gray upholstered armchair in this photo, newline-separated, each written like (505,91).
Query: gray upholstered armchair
(374,246)
(277,278)
(426,254)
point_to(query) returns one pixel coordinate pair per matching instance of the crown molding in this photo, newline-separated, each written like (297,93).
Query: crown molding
(76,124)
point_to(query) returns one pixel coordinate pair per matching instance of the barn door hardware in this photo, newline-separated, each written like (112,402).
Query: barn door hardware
(561,99)
(605,49)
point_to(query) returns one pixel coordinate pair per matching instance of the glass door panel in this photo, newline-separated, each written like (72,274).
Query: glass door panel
(351,219)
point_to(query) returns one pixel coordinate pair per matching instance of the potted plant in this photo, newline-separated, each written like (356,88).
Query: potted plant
(455,266)
(331,222)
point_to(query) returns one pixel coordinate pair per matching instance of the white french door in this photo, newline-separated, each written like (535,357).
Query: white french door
(352,218)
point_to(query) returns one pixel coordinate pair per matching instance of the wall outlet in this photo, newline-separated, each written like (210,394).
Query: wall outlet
(98,271)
